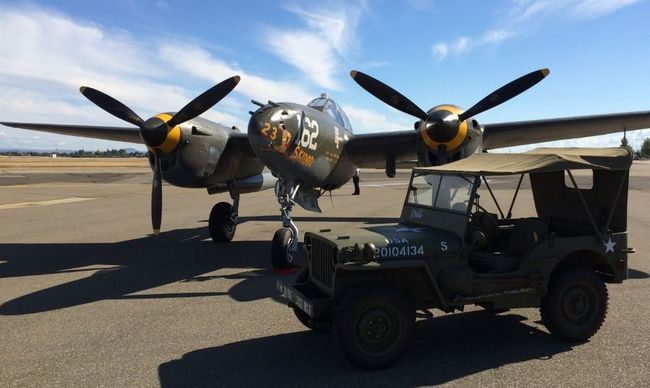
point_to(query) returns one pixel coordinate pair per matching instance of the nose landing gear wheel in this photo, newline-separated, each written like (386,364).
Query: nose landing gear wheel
(282,253)
(285,240)
(221,224)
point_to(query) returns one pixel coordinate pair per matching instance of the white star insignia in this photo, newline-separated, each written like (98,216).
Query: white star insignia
(609,246)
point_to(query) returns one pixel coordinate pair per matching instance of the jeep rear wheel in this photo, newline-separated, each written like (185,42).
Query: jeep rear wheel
(374,326)
(575,305)
(322,324)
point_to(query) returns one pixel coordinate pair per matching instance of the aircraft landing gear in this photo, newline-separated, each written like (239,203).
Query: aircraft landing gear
(223,220)
(285,240)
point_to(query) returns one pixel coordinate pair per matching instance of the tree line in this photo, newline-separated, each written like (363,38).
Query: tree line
(641,153)
(113,153)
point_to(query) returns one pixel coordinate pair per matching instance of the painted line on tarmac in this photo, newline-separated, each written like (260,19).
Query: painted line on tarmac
(44,203)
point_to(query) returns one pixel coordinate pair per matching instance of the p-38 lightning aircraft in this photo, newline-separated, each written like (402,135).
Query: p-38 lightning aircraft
(311,149)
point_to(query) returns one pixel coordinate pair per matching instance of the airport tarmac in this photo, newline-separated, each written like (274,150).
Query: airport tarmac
(88,298)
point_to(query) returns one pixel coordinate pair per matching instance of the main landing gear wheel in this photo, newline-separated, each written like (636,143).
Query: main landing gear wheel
(281,252)
(221,224)
(374,326)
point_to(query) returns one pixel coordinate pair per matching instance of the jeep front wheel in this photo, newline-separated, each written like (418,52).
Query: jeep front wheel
(374,326)
(575,305)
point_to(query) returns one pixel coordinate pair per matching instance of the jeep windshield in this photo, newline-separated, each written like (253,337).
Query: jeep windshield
(449,192)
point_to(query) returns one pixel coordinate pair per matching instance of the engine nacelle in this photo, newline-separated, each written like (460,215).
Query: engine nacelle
(249,184)
(443,138)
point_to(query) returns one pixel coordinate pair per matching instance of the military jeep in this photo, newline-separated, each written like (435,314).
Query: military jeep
(451,249)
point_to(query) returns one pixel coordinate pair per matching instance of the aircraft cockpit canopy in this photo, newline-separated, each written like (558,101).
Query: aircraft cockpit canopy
(328,106)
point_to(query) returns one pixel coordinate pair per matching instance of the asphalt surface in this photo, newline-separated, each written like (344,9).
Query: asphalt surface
(88,298)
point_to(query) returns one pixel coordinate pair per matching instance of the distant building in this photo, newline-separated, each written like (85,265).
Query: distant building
(54,156)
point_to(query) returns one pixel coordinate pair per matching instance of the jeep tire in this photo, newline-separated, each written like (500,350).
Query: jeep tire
(373,326)
(575,305)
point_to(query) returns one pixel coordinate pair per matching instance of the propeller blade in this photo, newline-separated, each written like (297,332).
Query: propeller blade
(111,105)
(204,102)
(387,94)
(156,196)
(505,93)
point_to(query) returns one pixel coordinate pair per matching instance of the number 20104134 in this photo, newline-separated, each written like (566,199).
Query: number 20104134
(403,251)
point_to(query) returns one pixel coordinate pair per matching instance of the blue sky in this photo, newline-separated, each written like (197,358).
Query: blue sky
(157,55)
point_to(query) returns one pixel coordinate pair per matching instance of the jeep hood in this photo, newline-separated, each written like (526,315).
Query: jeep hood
(396,240)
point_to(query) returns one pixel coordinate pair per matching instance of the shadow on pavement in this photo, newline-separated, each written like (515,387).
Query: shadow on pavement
(636,274)
(135,265)
(444,349)
(316,218)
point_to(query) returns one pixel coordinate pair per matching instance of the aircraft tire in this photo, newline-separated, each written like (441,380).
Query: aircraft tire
(221,227)
(280,256)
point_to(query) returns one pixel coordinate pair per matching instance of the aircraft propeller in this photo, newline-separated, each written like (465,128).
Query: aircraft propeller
(438,130)
(160,132)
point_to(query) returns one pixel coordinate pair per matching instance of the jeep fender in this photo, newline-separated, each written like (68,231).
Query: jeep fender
(589,259)
(416,271)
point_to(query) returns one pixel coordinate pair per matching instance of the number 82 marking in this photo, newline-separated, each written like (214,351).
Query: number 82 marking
(309,134)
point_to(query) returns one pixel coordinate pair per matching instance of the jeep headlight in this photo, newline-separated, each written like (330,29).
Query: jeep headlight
(369,251)
(365,253)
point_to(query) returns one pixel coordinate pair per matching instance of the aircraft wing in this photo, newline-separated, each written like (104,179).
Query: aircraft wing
(536,131)
(125,134)
(239,158)
(369,150)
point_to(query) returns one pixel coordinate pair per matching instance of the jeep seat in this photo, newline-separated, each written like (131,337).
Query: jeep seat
(487,224)
(524,236)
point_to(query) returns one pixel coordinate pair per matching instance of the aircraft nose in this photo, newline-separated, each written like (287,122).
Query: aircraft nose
(273,127)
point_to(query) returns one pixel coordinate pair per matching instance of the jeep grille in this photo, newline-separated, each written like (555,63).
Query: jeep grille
(323,261)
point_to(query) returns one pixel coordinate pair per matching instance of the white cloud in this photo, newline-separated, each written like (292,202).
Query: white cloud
(51,55)
(317,49)
(495,36)
(523,13)
(525,10)
(464,44)
(440,50)
(593,8)
(45,57)
(204,66)
(367,121)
